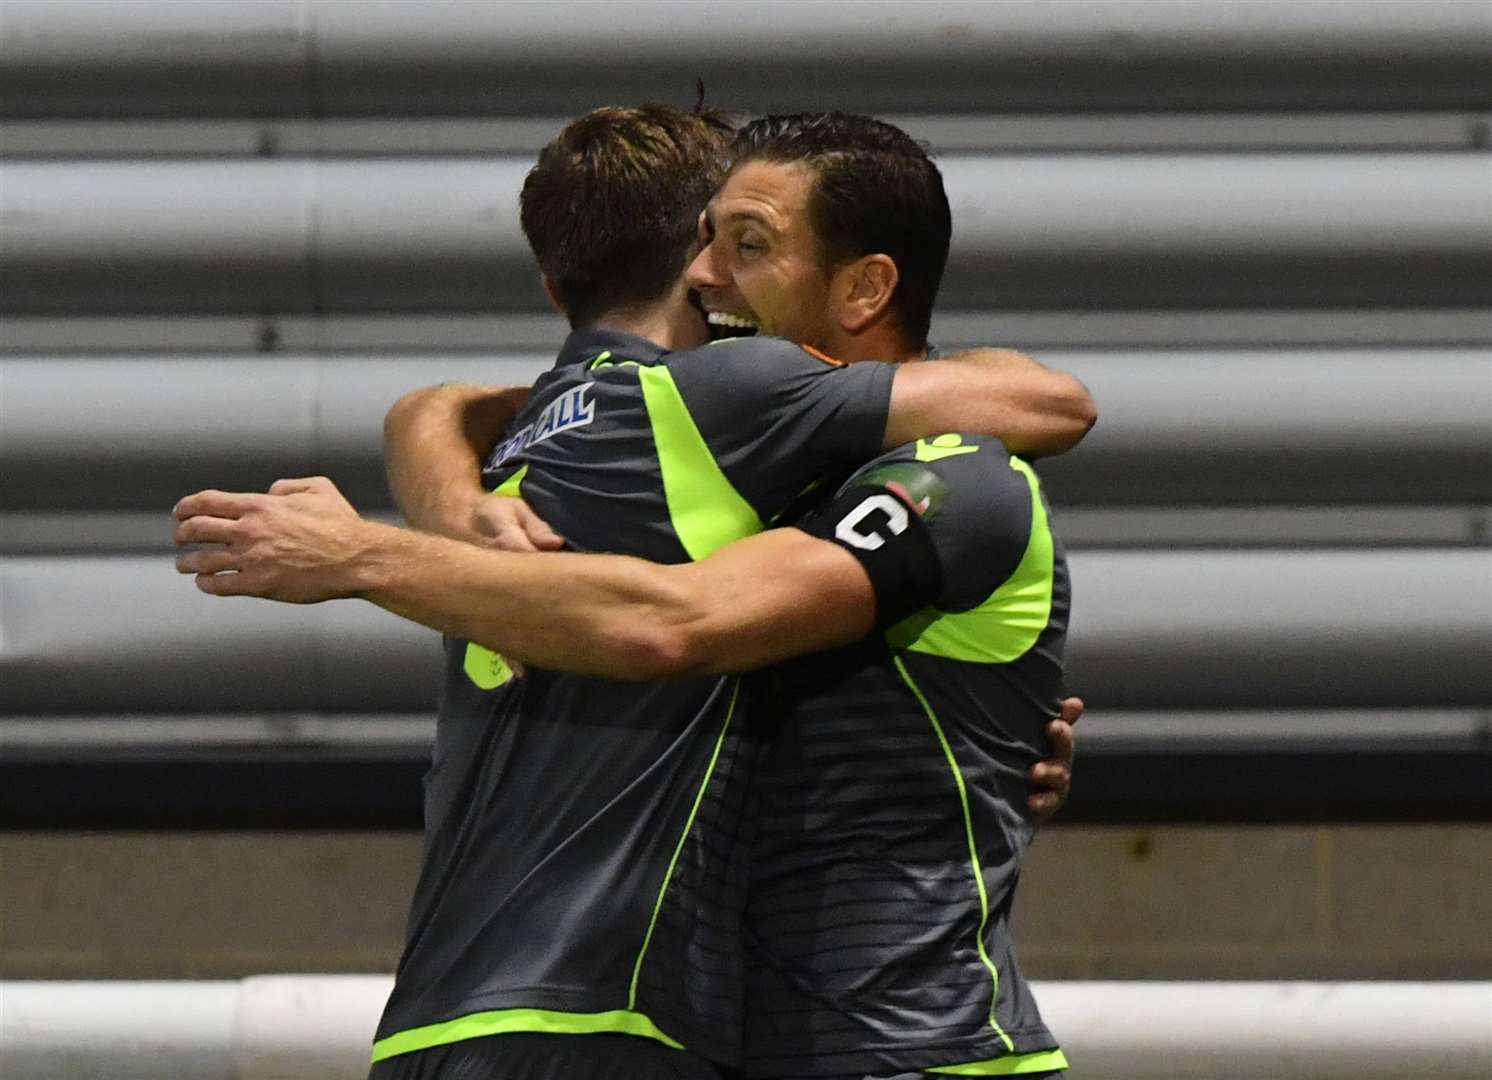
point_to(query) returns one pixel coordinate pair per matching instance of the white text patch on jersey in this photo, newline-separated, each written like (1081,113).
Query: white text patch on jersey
(569,410)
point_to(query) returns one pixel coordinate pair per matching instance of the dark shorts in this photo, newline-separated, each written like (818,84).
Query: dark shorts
(522,1056)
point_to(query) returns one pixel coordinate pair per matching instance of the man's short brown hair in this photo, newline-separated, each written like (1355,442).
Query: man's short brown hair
(610,208)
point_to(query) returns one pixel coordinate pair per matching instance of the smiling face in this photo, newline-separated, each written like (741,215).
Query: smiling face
(759,264)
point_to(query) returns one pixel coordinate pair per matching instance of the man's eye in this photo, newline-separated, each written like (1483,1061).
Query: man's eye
(750,247)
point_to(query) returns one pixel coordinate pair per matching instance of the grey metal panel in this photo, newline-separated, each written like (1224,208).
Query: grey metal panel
(252,236)
(1150,631)
(123,434)
(1207,230)
(1042,231)
(406,334)
(138,532)
(130,635)
(1302,731)
(1216,328)
(1333,427)
(438,56)
(1239,427)
(120,236)
(1115,729)
(1273,526)
(409,236)
(471,136)
(1035,331)
(1347,629)
(111,57)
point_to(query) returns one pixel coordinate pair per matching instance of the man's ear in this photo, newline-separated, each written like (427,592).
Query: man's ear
(865,287)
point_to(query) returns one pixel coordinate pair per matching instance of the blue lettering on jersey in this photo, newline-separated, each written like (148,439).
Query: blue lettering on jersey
(569,410)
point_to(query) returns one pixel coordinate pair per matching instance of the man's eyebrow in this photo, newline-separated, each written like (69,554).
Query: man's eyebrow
(752,215)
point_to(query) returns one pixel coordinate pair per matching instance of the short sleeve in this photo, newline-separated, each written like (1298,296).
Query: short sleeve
(778,417)
(977,502)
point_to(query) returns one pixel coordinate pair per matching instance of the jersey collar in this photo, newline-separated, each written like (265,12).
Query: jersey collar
(584,345)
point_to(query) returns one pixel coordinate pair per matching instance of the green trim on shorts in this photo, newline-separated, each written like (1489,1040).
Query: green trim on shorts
(508,1021)
(1010,1065)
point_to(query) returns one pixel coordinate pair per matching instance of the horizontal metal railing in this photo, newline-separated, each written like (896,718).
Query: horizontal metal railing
(307,1027)
(320,57)
(1166,629)
(1087,231)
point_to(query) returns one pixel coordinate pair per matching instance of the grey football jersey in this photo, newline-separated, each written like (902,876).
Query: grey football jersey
(583,867)
(892,799)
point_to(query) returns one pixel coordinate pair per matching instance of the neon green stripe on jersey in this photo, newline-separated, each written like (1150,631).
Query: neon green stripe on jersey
(707,512)
(974,867)
(512,486)
(1006,625)
(1011,1065)
(507,1021)
(699,796)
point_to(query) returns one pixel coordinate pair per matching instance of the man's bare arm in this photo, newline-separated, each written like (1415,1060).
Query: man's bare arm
(605,615)
(434,443)
(1034,411)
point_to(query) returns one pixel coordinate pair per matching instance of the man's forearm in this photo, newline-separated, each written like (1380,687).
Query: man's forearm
(1033,410)
(617,616)
(434,441)
(603,615)
(608,615)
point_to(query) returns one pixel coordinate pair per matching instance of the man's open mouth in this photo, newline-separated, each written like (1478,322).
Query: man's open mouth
(725,325)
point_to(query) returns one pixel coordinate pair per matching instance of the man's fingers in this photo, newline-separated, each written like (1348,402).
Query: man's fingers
(499,520)
(1052,775)
(1061,742)
(204,530)
(1072,710)
(1045,803)
(295,484)
(225,584)
(211,503)
(206,561)
(538,531)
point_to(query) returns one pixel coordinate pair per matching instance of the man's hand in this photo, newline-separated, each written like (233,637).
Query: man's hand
(434,442)
(1054,773)
(507,524)
(296,544)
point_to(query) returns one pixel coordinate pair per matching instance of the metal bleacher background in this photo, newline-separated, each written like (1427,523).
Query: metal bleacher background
(231,234)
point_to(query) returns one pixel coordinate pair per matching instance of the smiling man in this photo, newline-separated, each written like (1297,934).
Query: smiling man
(892,797)
(585,864)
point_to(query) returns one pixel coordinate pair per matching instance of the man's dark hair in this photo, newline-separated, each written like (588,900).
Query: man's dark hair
(876,191)
(611,207)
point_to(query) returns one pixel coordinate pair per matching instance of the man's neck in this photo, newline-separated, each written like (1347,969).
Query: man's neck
(880,342)
(672,322)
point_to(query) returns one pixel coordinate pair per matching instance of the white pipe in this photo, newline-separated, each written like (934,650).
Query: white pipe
(1272,1031)
(315,1026)
(289,1027)
(116,1030)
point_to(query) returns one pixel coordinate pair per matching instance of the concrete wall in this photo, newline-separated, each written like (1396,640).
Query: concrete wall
(1341,902)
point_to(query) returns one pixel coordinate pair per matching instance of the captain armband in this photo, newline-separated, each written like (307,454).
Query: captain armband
(891,541)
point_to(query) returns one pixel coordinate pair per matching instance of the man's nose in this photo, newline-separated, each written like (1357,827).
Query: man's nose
(704,271)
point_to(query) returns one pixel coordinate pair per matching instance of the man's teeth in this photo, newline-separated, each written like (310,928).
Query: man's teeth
(721,318)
